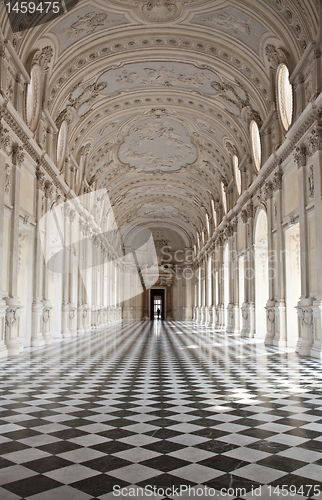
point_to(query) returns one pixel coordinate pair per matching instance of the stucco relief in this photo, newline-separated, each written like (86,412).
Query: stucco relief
(229,22)
(86,24)
(165,74)
(156,210)
(80,101)
(162,145)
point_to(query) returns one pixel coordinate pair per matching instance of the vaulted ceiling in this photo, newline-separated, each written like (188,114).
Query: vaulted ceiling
(159,93)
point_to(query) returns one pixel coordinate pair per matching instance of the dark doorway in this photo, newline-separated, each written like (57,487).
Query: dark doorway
(157,302)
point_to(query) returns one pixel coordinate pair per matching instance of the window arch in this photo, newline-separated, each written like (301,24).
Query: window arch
(284,96)
(224,197)
(256,144)
(237,173)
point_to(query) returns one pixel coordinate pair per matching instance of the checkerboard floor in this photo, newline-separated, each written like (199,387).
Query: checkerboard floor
(160,405)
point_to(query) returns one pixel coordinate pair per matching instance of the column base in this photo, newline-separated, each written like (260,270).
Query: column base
(305,322)
(13,343)
(248,315)
(38,341)
(3,347)
(280,339)
(270,322)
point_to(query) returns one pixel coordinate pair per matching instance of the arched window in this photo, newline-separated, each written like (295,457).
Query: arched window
(62,144)
(284,96)
(256,144)
(208,225)
(214,213)
(224,198)
(237,173)
(34,97)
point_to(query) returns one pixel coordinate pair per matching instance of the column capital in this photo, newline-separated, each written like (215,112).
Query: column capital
(300,156)
(268,190)
(314,142)
(40,176)
(49,189)
(18,154)
(278,180)
(250,210)
(244,216)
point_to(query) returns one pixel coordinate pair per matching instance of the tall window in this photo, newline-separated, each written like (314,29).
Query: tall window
(284,96)
(214,213)
(224,197)
(208,225)
(237,173)
(256,144)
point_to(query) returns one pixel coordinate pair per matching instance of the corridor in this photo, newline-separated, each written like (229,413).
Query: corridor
(160,404)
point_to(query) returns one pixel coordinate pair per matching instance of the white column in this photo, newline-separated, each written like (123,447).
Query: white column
(270,305)
(304,308)
(46,302)
(316,185)
(280,306)
(3,306)
(13,342)
(65,276)
(37,339)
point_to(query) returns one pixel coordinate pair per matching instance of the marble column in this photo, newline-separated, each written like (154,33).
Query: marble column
(188,275)
(169,312)
(14,306)
(80,284)
(280,338)
(49,190)
(304,306)
(5,183)
(315,185)
(248,307)
(37,339)
(220,313)
(65,276)
(270,305)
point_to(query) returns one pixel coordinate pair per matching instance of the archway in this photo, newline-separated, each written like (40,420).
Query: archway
(261,273)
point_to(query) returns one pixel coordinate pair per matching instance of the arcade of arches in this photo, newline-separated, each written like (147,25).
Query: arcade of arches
(199,120)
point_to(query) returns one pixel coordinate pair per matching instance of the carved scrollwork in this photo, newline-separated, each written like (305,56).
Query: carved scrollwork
(12,315)
(72,313)
(46,314)
(4,137)
(311,182)
(274,56)
(244,312)
(8,178)
(270,314)
(43,57)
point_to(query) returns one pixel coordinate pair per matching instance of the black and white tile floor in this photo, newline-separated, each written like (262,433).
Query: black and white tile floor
(163,406)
